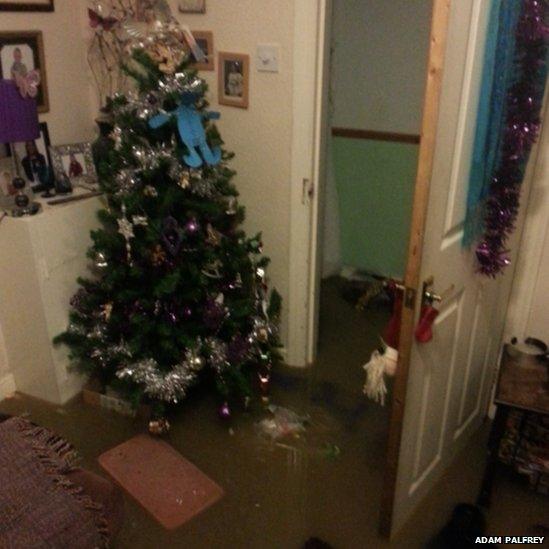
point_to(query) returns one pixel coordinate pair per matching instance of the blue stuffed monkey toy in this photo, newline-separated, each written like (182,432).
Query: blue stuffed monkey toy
(191,131)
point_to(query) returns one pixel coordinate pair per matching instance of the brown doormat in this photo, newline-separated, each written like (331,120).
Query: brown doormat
(168,486)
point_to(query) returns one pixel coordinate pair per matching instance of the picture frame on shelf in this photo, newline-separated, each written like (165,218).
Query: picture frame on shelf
(75,163)
(20,53)
(26,5)
(205,41)
(233,79)
(34,160)
(192,6)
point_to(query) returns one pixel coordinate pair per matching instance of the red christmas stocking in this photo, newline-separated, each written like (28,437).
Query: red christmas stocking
(391,334)
(424,330)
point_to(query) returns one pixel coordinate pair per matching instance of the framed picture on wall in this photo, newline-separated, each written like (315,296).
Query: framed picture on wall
(205,41)
(33,158)
(26,5)
(233,79)
(20,53)
(74,162)
(192,6)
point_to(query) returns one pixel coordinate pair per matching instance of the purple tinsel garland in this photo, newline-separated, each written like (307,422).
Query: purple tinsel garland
(524,103)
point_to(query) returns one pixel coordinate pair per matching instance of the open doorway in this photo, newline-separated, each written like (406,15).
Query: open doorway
(377,73)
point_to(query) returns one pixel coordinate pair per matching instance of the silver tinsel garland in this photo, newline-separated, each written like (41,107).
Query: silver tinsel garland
(190,179)
(217,354)
(172,386)
(149,158)
(106,354)
(128,179)
(169,387)
(150,104)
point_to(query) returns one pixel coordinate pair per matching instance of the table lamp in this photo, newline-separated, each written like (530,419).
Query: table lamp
(18,123)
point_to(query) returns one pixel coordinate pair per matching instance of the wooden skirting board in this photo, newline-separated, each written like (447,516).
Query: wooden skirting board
(354,133)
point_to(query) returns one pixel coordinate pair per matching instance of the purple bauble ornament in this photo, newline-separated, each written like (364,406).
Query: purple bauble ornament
(224,411)
(192,226)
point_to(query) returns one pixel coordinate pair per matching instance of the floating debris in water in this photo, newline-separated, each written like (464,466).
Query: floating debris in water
(331,451)
(283,423)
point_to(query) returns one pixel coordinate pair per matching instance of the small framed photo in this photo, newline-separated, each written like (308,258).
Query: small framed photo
(74,162)
(33,158)
(20,53)
(192,6)
(233,79)
(26,5)
(205,41)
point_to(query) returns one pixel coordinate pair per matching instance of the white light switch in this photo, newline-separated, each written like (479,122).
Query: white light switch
(267,57)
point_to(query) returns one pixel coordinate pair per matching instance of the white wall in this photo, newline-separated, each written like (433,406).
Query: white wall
(261,135)
(538,320)
(528,313)
(379,57)
(331,234)
(379,60)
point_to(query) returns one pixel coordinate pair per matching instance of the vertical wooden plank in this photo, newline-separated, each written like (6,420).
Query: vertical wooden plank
(439,26)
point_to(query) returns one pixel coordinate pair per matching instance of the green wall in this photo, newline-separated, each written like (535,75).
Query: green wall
(375,182)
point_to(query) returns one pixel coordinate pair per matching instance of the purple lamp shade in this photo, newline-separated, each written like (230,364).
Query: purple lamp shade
(18,115)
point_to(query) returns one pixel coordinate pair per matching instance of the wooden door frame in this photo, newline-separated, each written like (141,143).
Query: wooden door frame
(311,45)
(435,66)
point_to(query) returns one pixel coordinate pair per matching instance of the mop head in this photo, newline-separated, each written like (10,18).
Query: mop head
(380,365)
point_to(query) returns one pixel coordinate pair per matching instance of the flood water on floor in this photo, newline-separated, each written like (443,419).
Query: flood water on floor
(326,483)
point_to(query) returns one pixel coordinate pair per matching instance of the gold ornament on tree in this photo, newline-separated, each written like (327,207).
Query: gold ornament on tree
(106,311)
(213,236)
(158,256)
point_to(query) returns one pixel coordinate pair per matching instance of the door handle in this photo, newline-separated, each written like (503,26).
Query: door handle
(429,296)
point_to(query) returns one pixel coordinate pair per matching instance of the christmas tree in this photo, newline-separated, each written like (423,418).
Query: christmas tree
(178,295)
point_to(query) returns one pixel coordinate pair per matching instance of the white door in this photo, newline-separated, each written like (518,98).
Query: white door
(449,378)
